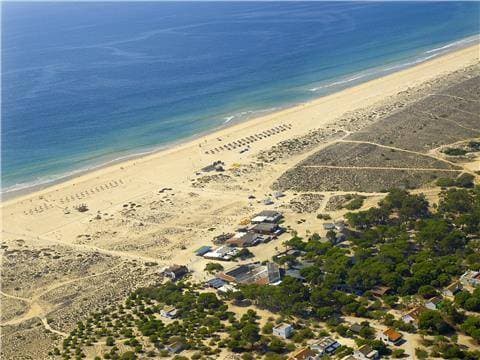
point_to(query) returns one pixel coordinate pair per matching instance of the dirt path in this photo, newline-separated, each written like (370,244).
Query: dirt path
(399,149)
(454,97)
(450,121)
(40,309)
(83,247)
(14,297)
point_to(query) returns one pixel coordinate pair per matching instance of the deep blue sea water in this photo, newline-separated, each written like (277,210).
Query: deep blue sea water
(86,83)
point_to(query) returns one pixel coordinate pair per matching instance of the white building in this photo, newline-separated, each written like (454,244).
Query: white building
(391,337)
(471,278)
(452,289)
(169,312)
(283,330)
(222,253)
(432,304)
(325,346)
(366,352)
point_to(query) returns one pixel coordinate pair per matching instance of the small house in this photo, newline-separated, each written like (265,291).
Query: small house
(175,347)
(220,239)
(267,229)
(169,312)
(366,352)
(267,201)
(340,225)
(175,272)
(254,273)
(411,317)
(215,283)
(283,330)
(278,194)
(380,291)
(304,354)
(391,337)
(471,278)
(356,328)
(325,346)
(203,250)
(246,239)
(227,288)
(433,303)
(225,253)
(328,226)
(267,216)
(452,289)
(294,273)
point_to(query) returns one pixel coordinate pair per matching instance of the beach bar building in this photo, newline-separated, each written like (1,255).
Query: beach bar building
(267,229)
(254,273)
(246,239)
(267,216)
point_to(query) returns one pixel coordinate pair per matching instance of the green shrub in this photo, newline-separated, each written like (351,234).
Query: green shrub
(445,182)
(454,152)
(465,180)
(213,267)
(355,203)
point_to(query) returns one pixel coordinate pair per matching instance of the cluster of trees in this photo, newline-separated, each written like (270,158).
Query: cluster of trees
(454,151)
(403,243)
(469,301)
(465,180)
(213,267)
(355,202)
(203,324)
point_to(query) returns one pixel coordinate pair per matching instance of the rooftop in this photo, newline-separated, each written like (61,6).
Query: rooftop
(203,250)
(282,326)
(454,286)
(392,335)
(264,227)
(415,312)
(435,300)
(269,213)
(216,283)
(380,290)
(356,328)
(367,350)
(303,354)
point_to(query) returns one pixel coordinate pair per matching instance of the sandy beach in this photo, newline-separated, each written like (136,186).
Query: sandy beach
(303,118)
(50,212)
(160,207)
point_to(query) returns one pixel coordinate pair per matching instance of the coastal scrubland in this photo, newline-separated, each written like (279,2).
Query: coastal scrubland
(396,150)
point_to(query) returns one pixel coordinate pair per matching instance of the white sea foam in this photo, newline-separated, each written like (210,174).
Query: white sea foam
(247,114)
(383,70)
(48,180)
(55,178)
(45,181)
(465,41)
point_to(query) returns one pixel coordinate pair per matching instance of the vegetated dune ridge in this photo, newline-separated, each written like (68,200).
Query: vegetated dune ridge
(60,263)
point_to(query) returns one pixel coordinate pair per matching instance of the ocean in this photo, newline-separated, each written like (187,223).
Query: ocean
(85,84)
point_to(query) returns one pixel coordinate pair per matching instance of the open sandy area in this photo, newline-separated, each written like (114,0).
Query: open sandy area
(147,213)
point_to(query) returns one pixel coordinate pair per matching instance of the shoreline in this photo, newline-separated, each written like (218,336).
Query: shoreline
(321,89)
(337,85)
(220,131)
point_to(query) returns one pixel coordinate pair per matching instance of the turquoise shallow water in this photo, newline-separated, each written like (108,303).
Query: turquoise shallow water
(87,83)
